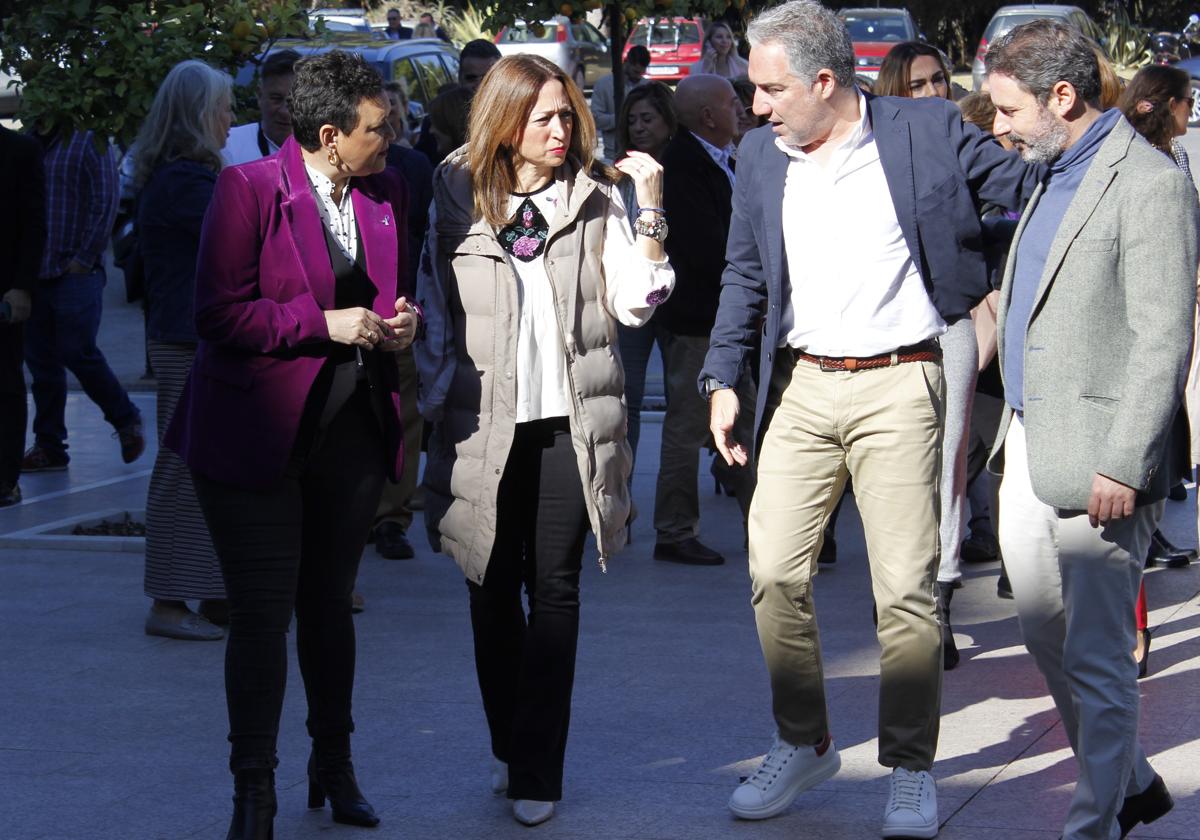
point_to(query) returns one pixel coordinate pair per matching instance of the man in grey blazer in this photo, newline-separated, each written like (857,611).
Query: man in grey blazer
(1095,327)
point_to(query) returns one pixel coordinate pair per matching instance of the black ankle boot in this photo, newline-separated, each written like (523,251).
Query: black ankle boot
(331,776)
(950,655)
(253,805)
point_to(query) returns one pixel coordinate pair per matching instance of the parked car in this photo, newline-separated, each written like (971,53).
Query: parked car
(874,32)
(424,65)
(1192,66)
(1010,17)
(675,44)
(577,47)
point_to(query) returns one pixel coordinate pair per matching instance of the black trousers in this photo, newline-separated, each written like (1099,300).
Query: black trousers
(526,664)
(13,412)
(297,548)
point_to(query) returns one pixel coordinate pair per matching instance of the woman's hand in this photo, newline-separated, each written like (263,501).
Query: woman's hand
(358,326)
(403,327)
(647,175)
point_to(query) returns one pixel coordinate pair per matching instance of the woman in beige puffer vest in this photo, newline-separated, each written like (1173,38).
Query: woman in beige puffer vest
(528,265)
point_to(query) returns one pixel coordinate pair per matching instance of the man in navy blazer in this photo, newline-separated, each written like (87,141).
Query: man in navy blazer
(854,239)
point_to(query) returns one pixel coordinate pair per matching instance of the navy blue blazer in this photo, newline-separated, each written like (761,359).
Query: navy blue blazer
(170,212)
(939,171)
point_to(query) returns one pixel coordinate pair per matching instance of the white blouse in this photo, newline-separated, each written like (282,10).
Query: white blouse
(633,288)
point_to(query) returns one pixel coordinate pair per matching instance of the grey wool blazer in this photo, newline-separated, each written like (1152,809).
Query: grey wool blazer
(1110,336)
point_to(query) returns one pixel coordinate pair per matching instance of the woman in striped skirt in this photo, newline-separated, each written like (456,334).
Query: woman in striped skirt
(177,157)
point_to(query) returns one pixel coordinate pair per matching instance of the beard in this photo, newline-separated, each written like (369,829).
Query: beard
(1047,141)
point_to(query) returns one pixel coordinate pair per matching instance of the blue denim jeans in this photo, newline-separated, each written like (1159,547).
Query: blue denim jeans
(60,336)
(636,344)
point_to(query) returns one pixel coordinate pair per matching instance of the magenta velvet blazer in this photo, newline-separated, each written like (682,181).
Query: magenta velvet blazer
(263,282)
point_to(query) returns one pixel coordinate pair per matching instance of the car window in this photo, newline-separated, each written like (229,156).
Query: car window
(665,33)
(450,60)
(594,35)
(405,73)
(868,27)
(520,33)
(433,75)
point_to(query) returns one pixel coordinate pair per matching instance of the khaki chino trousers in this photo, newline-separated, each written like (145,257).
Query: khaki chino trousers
(883,427)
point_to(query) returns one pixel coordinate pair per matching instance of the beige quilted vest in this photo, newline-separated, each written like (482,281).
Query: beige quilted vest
(470,446)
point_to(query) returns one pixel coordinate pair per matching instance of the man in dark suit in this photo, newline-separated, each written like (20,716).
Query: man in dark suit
(697,196)
(855,233)
(396,30)
(22,238)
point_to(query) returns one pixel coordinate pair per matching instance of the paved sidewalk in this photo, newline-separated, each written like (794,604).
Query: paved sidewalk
(109,733)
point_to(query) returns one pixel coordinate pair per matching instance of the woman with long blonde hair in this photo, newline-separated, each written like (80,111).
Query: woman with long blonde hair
(719,56)
(528,267)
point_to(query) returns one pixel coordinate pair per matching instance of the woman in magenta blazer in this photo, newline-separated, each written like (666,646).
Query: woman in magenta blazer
(290,421)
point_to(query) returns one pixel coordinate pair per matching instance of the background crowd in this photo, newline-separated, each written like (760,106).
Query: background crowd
(282,301)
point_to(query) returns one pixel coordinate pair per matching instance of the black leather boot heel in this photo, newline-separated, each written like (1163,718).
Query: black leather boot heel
(331,776)
(253,805)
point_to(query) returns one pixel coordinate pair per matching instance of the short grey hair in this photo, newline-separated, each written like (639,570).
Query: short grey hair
(1040,54)
(812,36)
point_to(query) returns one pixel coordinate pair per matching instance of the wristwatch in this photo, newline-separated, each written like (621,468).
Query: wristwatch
(656,229)
(711,384)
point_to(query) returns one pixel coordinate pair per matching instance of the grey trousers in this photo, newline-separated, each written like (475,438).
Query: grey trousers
(684,431)
(1075,588)
(960,363)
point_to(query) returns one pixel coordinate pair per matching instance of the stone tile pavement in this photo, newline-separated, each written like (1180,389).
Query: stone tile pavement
(108,733)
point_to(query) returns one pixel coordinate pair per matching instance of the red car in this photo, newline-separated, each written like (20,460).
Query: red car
(674,44)
(874,32)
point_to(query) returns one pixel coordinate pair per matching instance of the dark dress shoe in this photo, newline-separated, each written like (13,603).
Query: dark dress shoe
(1164,552)
(10,494)
(1143,662)
(978,550)
(1004,588)
(253,806)
(331,776)
(392,543)
(690,552)
(133,441)
(1178,493)
(1145,807)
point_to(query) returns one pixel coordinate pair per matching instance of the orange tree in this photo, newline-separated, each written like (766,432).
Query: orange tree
(95,65)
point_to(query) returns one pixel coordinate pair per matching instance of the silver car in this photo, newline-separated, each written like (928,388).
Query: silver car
(578,48)
(1010,17)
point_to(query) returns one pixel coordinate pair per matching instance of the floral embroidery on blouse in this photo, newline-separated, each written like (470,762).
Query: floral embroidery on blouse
(658,296)
(525,237)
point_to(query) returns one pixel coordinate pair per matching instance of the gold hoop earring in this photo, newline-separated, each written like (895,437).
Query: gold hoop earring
(333,158)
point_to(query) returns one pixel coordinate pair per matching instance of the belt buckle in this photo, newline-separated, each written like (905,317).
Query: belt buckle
(827,364)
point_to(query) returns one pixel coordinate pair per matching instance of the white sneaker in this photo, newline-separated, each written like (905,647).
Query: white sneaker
(912,807)
(785,772)
(532,811)
(499,776)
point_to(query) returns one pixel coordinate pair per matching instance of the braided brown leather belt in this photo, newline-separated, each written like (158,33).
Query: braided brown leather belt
(926,351)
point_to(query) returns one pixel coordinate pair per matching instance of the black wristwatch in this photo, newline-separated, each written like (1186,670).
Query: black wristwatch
(712,384)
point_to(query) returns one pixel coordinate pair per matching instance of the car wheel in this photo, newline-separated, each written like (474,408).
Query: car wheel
(578,76)
(1194,118)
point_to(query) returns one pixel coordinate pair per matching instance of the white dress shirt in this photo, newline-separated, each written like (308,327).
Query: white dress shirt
(242,145)
(338,217)
(721,157)
(855,290)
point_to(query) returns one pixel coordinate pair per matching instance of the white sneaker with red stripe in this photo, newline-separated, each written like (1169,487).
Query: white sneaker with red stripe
(786,771)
